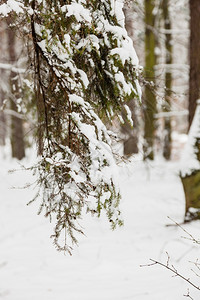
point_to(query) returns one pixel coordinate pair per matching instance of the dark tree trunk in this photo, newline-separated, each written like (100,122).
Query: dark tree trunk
(149,95)
(17,135)
(194,82)
(2,116)
(168,80)
(2,93)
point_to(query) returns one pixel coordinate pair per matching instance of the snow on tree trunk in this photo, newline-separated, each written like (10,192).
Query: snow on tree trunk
(130,132)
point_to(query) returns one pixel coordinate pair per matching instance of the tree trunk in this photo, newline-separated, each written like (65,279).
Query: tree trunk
(168,80)
(149,95)
(192,194)
(191,176)
(194,81)
(131,134)
(2,116)
(17,135)
(2,93)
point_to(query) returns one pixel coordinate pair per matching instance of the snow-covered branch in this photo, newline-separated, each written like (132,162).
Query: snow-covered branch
(12,68)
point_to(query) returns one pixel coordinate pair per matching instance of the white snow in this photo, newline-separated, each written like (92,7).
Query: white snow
(120,119)
(127,87)
(106,265)
(11,5)
(84,77)
(76,99)
(78,11)
(126,52)
(129,114)
(118,10)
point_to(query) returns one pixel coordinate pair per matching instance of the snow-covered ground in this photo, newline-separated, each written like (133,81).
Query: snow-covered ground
(106,265)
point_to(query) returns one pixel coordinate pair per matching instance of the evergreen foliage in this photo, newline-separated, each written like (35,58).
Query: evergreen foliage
(85,70)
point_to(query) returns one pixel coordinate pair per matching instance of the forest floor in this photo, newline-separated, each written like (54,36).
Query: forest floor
(107,264)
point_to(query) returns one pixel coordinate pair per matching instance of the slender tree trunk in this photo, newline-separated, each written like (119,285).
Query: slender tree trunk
(17,135)
(194,82)
(2,115)
(129,21)
(131,134)
(149,96)
(2,92)
(168,80)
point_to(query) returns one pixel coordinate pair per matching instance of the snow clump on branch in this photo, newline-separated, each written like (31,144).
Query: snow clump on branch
(85,71)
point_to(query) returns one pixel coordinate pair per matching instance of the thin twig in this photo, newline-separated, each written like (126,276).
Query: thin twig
(188,295)
(189,234)
(173,270)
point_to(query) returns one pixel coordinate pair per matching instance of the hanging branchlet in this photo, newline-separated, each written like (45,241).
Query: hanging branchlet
(86,69)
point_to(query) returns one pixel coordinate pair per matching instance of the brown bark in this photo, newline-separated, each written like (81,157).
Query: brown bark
(149,94)
(194,81)
(2,117)
(17,135)
(191,179)
(131,134)
(2,93)
(192,191)
(168,80)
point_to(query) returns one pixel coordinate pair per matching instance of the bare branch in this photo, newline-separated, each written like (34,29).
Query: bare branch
(189,234)
(10,67)
(188,295)
(174,271)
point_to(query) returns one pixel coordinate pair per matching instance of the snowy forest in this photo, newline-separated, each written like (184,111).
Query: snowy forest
(99,149)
